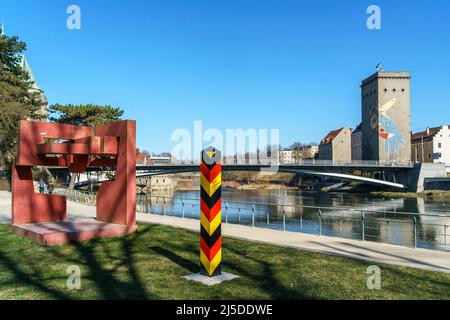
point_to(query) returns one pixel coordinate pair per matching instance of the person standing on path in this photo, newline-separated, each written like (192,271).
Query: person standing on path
(50,188)
(41,185)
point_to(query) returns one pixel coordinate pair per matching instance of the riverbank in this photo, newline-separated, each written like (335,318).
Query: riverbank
(435,195)
(256,186)
(233,185)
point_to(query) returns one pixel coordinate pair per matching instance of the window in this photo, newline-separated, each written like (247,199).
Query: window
(439,145)
(394,90)
(385,90)
(403,90)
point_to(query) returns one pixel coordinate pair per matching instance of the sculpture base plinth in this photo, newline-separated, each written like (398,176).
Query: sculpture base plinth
(78,229)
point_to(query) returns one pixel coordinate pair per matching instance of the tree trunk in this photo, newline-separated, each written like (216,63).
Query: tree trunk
(73,177)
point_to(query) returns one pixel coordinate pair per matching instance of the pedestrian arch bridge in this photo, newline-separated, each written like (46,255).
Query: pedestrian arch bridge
(391,174)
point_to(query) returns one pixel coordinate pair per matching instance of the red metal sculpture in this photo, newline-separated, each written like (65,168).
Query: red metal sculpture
(42,217)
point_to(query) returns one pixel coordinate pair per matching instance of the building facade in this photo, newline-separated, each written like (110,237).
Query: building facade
(286,156)
(307,152)
(336,145)
(386,120)
(160,183)
(142,158)
(357,143)
(154,160)
(431,146)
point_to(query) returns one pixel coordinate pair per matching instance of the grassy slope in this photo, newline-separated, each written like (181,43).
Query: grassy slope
(150,263)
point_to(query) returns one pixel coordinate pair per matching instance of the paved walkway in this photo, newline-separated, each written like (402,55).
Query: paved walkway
(5,207)
(364,250)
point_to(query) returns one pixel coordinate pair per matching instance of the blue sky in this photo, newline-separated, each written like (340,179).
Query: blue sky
(292,65)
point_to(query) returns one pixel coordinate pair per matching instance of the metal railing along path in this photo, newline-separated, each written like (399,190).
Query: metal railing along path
(404,228)
(426,230)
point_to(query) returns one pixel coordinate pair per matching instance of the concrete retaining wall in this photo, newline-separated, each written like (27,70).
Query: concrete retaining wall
(437,184)
(415,179)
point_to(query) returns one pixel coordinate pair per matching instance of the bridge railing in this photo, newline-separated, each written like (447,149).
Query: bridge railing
(299,162)
(428,230)
(77,196)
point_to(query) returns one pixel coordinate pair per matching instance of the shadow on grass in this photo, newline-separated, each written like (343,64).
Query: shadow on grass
(109,286)
(259,273)
(114,269)
(22,277)
(182,262)
(266,280)
(410,280)
(88,254)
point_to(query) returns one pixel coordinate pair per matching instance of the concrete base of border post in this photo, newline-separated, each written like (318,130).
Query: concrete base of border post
(210,281)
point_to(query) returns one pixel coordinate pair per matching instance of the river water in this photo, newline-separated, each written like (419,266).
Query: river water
(347,215)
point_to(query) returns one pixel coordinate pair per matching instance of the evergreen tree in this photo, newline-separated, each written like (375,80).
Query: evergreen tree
(84,115)
(18,100)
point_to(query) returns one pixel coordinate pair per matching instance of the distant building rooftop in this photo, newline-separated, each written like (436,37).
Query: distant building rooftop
(358,128)
(426,135)
(26,67)
(331,135)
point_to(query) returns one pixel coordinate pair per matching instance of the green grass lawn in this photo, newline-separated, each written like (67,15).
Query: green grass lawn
(150,263)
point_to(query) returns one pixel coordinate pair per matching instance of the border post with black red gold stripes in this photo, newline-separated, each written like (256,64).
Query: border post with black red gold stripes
(211,213)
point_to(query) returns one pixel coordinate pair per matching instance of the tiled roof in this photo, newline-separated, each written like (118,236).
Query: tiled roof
(330,136)
(426,135)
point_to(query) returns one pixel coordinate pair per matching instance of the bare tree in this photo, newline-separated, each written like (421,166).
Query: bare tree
(297,150)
